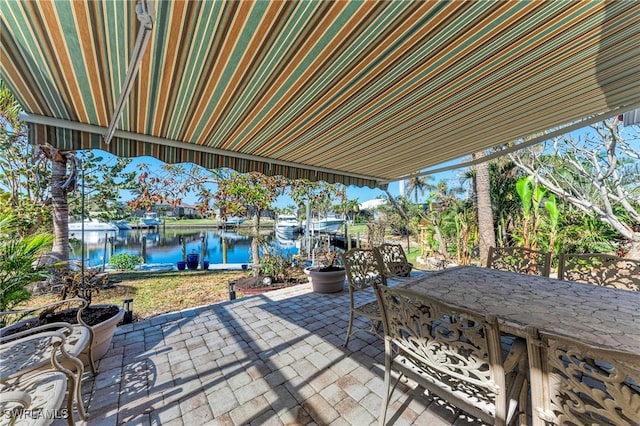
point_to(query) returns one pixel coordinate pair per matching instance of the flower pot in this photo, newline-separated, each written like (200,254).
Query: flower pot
(102,335)
(205,264)
(331,281)
(182,265)
(192,261)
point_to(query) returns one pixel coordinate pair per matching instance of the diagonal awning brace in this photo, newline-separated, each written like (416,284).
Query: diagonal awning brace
(146,15)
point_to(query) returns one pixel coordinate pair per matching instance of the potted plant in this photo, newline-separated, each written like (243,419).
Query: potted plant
(102,318)
(73,283)
(326,279)
(192,260)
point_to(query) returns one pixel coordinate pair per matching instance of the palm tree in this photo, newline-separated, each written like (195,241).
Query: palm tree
(61,184)
(486,230)
(61,181)
(419,184)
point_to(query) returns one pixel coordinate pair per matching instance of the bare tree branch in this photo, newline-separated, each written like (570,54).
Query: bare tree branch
(596,174)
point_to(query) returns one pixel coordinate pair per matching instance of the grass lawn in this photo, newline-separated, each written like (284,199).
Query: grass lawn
(155,293)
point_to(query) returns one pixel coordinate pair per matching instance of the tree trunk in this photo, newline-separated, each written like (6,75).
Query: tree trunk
(634,251)
(486,231)
(60,250)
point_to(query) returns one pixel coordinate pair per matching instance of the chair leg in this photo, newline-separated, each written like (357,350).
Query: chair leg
(74,390)
(387,394)
(375,326)
(523,404)
(346,342)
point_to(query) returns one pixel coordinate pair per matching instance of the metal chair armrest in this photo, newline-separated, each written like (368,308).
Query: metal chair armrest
(67,329)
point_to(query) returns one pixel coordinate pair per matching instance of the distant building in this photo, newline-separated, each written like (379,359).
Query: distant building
(183,210)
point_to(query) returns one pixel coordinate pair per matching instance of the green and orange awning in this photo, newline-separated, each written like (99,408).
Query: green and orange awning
(358,92)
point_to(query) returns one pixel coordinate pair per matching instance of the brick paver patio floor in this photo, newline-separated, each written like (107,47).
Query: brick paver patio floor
(270,359)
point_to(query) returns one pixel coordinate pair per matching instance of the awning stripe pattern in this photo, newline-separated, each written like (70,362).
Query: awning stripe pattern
(360,92)
(124,147)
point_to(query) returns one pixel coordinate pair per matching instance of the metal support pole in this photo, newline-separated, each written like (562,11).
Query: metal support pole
(104,252)
(232,290)
(82,251)
(128,312)
(307,229)
(144,249)
(202,250)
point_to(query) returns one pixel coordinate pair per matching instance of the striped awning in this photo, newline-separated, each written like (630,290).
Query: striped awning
(358,92)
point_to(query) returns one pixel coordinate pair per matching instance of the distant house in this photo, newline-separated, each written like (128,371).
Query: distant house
(183,210)
(368,209)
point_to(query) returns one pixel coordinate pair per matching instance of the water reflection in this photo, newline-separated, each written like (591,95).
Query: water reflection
(166,247)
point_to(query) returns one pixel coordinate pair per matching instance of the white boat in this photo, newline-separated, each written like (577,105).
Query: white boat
(151,219)
(329,225)
(289,242)
(92,225)
(122,224)
(287,225)
(230,221)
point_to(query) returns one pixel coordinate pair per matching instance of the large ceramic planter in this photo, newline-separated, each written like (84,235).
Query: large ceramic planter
(102,336)
(192,261)
(325,281)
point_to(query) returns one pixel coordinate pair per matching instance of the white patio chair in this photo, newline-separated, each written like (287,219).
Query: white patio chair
(34,401)
(56,345)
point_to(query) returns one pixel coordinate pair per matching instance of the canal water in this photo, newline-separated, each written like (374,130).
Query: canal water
(165,246)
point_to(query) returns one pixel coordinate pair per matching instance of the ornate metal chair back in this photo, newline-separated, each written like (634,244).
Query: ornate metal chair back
(453,352)
(363,269)
(575,383)
(364,274)
(520,260)
(600,269)
(394,260)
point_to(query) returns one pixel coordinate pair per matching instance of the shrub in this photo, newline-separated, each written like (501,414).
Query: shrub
(125,261)
(18,263)
(72,281)
(274,265)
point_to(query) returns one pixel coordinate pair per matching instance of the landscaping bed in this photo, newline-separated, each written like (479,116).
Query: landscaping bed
(256,285)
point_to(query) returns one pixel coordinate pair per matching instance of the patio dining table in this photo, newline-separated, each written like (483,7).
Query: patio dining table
(596,315)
